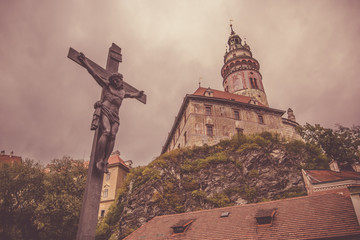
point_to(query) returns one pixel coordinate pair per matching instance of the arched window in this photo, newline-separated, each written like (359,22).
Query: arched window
(252,83)
(255,83)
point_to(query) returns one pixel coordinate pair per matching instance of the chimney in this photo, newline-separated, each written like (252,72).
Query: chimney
(356,166)
(2,152)
(128,163)
(334,166)
(117,152)
(11,154)
(291,115)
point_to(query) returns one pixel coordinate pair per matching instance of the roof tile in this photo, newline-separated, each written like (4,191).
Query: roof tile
(318,216)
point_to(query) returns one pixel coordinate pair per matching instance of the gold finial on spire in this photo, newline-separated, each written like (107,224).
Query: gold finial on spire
(232,31)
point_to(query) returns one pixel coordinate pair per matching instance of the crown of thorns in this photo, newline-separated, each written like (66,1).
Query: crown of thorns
(115,75)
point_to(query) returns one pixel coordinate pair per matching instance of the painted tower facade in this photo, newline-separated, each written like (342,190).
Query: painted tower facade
(241,72)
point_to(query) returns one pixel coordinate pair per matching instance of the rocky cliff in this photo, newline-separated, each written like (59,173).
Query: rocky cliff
(245,169)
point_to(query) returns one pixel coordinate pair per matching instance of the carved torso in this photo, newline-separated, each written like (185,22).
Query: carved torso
(113,98)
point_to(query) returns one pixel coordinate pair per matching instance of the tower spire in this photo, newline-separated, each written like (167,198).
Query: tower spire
(232,31)
(241,72)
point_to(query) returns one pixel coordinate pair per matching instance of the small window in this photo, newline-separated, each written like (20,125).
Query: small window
(196,108)
(261,119)
(252,83)
(225,214)
(236,115)
(255,83)
(107,178)
(105,193)
(102,213)
(182,226)
(209,130)
(208,110)
(265,216)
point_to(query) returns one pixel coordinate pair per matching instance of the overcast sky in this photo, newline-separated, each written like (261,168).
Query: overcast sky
(309,55)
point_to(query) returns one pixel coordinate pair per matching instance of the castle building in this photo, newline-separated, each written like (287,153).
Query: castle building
(113,181)
(208,115)
(9,159)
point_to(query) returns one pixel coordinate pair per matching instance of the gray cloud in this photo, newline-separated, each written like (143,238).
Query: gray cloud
(308,52)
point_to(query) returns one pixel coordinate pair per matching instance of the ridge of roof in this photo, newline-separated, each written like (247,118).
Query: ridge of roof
(225,95)
(254,204)
(324,176)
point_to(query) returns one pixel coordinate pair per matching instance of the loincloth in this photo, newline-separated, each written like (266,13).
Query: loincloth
(111,115)
(101,109)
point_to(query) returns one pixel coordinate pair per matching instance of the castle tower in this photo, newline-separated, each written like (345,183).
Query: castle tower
(241,71)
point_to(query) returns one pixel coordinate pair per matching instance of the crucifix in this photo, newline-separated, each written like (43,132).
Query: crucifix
(105,123)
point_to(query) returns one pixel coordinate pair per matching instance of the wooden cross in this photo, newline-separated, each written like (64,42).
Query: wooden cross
(112,66)
(91,199)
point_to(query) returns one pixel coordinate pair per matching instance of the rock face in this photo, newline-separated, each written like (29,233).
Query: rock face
(242,170)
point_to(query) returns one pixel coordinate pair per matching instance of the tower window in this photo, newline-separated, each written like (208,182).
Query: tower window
(255,83)
(209,130)
(185,138)
(236,115)
(208,110)
(261,119)
(105,193)
(107,178)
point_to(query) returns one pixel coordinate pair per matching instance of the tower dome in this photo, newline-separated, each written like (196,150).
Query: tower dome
(240,71)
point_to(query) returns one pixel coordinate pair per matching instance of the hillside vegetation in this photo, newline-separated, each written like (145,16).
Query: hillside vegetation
(245,169)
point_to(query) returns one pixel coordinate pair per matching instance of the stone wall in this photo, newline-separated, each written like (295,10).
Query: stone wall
(192,128)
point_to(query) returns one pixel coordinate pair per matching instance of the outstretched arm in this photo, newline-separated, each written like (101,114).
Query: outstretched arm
(102,82)
(134,95)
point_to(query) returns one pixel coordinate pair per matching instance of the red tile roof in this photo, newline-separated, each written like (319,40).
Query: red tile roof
(224,95)
(321,176)
(115,159)
(10,159)
(318,216)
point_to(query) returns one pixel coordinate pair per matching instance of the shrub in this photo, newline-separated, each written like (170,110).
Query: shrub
(219,200)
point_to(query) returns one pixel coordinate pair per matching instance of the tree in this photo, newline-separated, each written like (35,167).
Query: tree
(57,216)
(21,189)
(340,144)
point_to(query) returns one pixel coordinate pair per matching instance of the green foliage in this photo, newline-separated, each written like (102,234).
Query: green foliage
(189,183)
(220,157)
(292,192)
(159,163)
(57,215)
(232,190)
(198,194)
(311,154)
(250,193)
(219,200)
(21,189)
(102,231)
(38,204)
(248,146)
(140,175)
(340,144)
